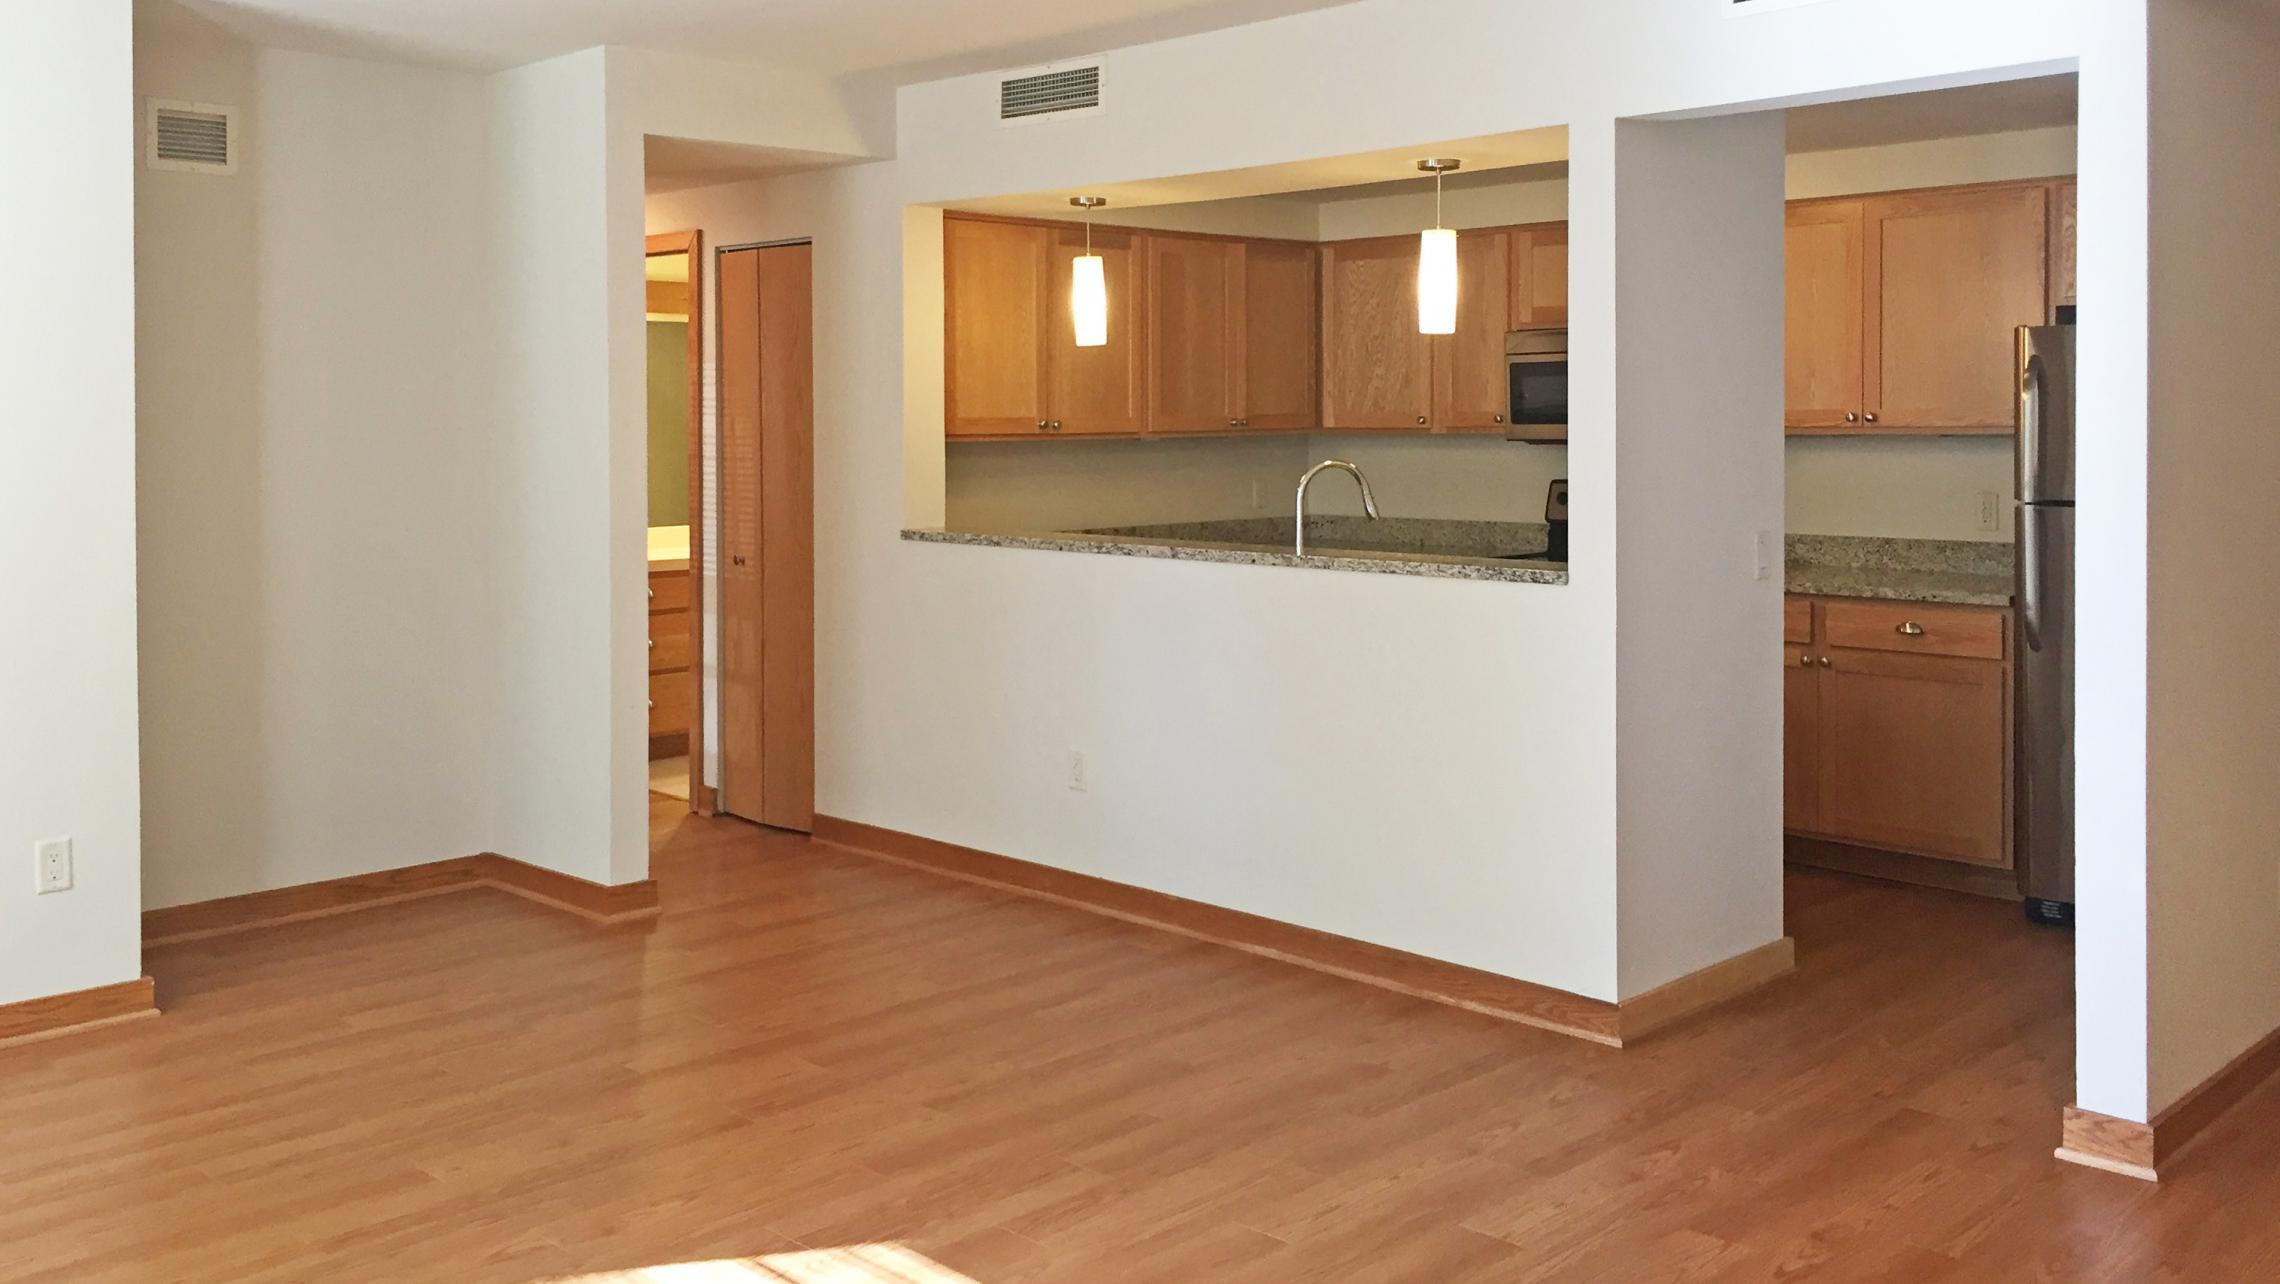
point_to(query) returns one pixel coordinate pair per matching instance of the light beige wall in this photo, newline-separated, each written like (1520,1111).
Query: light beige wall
(2213,674)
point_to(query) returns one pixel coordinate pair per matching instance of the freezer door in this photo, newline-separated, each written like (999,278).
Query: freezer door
(2043,731)
(2046,414)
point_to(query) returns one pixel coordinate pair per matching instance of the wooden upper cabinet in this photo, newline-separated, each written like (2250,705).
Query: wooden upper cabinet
(994,311)
(1280,329)
(1539,276)
(1196,324)
(1826,315)
(1377,370)
(1951,276)
(1091,391)
(2061,245)
(1470,389)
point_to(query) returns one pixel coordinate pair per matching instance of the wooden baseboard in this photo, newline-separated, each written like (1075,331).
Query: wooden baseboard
(1503,997)
(619,903)
(1643,1014)
(2144,1150)
(1900,867)
(76,1012)
(388,887)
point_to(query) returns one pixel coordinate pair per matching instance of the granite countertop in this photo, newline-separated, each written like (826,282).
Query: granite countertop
(1902,570)
(1955,572)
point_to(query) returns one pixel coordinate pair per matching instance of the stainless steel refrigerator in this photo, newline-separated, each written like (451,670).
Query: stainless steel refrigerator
(2044,612)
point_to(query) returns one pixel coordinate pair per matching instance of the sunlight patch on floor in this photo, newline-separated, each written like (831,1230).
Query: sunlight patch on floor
(849,1264)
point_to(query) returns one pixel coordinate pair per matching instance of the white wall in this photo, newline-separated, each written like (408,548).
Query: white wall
(316,474)
(1698,378)
(1362,754)
(2213,718)
(67,516)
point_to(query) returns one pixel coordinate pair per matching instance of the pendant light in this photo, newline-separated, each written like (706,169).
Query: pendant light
(1088,283)
(1437,262)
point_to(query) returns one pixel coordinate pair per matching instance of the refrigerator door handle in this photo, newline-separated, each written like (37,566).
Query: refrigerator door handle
(2030,575)
(2030,415)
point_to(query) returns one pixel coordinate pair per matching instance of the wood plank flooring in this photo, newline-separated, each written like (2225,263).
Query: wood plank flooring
(811,1051)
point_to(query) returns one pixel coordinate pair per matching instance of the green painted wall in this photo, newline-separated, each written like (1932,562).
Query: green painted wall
(668,423)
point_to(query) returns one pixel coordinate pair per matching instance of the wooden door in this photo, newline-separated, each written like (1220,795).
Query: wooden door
(1539,276)
(1377,370)
(767,525)
(1800,740)
(1470,390)
(1914,754)
(2061,246)
(1196,328)
(994,282)
(1280,336)
(1950,278)
(1091,391)
(1826,318)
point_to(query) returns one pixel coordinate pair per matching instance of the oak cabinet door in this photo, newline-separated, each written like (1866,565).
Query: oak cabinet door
(994,285)
(1826,316)
(1800,742)
(1951,276)
(1095,391)
(1470,390)
(1280,332)
(1196,333)
(2061,245)
(1377,370)
(1539,276)
(1914,754)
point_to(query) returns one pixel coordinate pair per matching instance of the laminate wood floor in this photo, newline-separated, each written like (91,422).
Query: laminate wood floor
(828,1068)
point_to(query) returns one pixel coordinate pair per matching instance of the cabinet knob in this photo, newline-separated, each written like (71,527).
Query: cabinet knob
(1804,662)
(1056,425)
(1044,425)
(1234,423)
(1242,423)
(1910,629)
(1870,416)
(1420,420)
(1499,418)
(1851,418)
(1826,662)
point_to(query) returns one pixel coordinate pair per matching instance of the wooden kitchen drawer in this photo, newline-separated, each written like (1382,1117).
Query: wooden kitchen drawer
(1797,621)
(669,642)
(1968,632)
(668,703)
(669,591)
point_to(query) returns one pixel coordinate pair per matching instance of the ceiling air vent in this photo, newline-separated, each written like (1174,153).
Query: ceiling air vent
(1049,92)
(195,137)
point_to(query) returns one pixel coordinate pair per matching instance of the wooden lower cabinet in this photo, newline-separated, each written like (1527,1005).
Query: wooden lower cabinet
(670,648)
(1899,739)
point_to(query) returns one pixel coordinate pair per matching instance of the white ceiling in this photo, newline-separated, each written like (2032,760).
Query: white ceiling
(908,39)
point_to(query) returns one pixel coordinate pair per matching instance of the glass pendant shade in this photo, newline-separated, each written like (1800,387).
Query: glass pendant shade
(1088,300)
(1437,281)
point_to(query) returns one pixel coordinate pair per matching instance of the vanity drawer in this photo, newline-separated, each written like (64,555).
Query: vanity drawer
(669,642)
(669,591)
(1976,633)
(668,703)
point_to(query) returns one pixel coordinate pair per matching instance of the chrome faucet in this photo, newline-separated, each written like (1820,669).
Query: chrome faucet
(1369,505)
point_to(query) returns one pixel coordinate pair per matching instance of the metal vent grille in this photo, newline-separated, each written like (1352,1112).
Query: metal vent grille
(193,136)
(1049,91)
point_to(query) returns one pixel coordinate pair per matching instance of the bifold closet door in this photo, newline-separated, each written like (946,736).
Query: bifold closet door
(767,535)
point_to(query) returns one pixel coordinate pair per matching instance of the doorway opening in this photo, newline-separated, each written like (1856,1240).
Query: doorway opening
(674,305)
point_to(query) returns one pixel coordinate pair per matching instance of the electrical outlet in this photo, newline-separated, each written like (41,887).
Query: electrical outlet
(52,863)
(1990,511)
(1076,771)
(1258,500)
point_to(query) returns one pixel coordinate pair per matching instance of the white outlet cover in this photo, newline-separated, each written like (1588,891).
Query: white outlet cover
(51,865)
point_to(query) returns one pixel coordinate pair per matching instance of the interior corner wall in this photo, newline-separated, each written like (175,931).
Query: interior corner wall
(1698,494)
(2213,673)
(316,476)
(67,508)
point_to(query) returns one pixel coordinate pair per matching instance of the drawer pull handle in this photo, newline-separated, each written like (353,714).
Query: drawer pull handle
(1910,629)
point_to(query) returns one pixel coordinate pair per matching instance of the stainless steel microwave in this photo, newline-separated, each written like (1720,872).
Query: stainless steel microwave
(1536,371)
